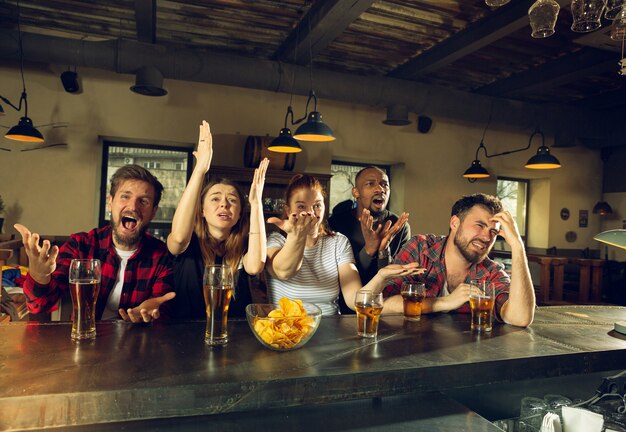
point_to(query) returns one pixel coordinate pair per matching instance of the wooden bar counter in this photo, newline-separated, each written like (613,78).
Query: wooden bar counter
(134,373)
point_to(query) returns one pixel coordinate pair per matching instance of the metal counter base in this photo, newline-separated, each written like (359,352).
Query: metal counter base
(141,372)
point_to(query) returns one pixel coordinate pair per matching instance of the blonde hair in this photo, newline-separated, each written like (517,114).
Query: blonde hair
(234,246)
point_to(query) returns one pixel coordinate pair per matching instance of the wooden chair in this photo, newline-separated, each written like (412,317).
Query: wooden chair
(5,256)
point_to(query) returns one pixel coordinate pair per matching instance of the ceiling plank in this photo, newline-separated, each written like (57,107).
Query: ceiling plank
(326,20)
(563,70)
(499,24)
(145,17)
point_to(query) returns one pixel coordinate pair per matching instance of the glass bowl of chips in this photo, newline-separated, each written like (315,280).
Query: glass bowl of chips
(285,326)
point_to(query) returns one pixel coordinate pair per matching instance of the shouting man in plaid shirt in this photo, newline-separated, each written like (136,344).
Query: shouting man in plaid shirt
(136,267)
(450,262)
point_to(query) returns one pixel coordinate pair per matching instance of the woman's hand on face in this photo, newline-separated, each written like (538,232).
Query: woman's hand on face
(204,152)
(302,224)
(258,182)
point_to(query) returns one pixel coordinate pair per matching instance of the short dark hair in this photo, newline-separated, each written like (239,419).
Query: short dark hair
(465,204)
(136,172)
(356,178)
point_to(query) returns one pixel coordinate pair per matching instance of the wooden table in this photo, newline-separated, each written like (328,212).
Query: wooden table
(138,373)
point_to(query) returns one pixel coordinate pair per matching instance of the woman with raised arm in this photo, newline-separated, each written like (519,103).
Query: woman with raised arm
(211,226)
(312,263)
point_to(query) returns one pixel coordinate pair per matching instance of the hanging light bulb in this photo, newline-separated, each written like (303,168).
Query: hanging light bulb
(542,15)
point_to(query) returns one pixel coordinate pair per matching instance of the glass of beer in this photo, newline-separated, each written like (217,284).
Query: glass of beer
(218,289)
(369,306)
(84,277)
(482,299)
(412,296)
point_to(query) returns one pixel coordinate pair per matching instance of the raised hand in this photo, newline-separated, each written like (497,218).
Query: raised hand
(41,259)
(379,238)
(508,228)
(258,182)
(388,233)
(148,310)
(204,152)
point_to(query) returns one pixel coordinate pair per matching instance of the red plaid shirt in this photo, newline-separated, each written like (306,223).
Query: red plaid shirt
(148,272)
(428,251)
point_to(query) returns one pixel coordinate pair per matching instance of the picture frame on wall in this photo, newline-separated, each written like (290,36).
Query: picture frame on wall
(583,218)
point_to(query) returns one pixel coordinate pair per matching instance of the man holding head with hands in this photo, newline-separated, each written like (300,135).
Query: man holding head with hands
(136,267)
(451,261)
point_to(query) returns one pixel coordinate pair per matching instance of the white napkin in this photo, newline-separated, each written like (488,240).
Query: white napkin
(581,420)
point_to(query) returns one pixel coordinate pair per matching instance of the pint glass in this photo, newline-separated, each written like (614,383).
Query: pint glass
(412,296)
(218,289)
(368,307)
(84,278)
(482,299)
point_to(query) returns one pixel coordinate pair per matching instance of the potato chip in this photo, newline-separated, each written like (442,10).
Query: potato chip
(285,326)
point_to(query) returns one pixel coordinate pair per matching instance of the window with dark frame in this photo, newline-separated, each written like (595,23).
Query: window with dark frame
(513,192)
(342,180)
(171,165)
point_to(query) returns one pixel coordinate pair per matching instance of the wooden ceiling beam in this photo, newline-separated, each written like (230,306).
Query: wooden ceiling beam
(563,70)
(497,25)
(145,17)
(326,20)
(615,100)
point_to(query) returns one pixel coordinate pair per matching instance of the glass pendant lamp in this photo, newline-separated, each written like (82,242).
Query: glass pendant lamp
(587,15)
(542,15)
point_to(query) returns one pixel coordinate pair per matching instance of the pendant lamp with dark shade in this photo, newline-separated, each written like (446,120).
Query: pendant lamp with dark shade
(314,129)
(476,171)
(285,143)
(24,131)
(602,208)
(543,160)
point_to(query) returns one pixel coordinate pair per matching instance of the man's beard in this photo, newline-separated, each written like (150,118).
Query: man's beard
(469,255)
(127,241)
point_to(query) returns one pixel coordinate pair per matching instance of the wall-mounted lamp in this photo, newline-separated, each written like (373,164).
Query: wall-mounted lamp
(542,160)
(602,208)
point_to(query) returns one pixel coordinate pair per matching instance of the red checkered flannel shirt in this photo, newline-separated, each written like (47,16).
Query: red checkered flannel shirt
(428,251)
(148,272)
